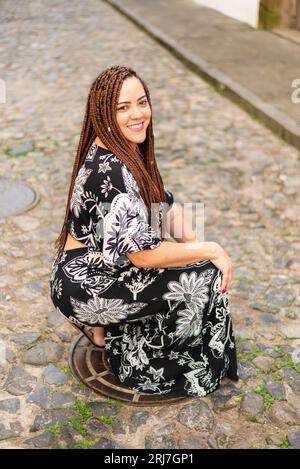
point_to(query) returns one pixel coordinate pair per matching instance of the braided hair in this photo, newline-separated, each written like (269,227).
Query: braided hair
(100,114)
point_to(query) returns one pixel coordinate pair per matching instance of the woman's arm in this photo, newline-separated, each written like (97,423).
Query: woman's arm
(170,254)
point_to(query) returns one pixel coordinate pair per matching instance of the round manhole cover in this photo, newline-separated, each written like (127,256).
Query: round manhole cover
(16,197)
(89,366)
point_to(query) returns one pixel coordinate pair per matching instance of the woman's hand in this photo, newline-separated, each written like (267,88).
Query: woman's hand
(223,262)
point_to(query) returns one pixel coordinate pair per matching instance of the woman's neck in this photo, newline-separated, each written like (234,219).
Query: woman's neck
(101,144)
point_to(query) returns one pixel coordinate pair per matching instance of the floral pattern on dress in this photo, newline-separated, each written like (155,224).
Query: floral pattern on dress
(103,311)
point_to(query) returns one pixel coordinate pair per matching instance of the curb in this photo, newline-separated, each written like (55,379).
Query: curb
(277,121)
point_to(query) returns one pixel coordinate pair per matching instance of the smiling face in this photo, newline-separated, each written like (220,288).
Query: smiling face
(133,111)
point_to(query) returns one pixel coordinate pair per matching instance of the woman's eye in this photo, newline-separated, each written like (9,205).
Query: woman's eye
(125,107)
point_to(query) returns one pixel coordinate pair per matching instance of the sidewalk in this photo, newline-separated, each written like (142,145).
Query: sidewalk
(254,68)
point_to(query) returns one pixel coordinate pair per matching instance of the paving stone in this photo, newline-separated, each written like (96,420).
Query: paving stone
(24,147)
(263,363)
(64,333)
(197,416)
(19,381)
(245,346)
(292,378)
(252,405)
(12,430)
(246,370)
(56,319)
(12,406)
(70,437)
(293,312)
(26,338)
(286,349)
(270,309)
(119,427)
(270,351)
(138,418)
(38,286)
(160,442)
(44,440)
(193,442)
(244,333)
(223,397)
(45,353)
(291,332)
(294,438)
(280,297)
(40,397)
(217,440)
(26,222)
(294,401)
(268,319)
(60,399)
(275,389)
(281,415)
(95,426)
(52,417)
(10,356)
(54,375)
(275,439)
(104,443)
(295,354)
(102,409)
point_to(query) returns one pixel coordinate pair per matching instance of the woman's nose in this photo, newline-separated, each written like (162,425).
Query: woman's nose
(136,113)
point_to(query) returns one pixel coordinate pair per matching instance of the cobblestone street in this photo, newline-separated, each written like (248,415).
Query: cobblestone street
(208,150)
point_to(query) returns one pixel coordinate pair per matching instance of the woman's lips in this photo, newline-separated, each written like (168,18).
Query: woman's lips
(138,128)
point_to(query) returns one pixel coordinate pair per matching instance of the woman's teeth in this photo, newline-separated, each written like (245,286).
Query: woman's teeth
(136,127)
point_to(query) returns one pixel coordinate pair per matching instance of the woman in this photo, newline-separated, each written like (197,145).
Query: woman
(164,304)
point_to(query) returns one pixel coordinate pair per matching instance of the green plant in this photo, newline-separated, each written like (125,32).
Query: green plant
(67,370)
(56,429)
(86,443)
(16,155)
(106,419)
(114,402)
(61,445)
(275,376)
(249,356)
(268,399)
(78,423)
(285,443)
(286,361)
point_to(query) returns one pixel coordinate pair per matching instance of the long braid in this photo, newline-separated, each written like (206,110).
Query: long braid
(100,114)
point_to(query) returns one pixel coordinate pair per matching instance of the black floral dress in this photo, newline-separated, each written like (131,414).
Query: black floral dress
(167,331)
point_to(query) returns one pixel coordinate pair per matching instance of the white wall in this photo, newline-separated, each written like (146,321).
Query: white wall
(243,10)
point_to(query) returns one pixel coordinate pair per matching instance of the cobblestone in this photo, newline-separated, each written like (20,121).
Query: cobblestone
(208,150)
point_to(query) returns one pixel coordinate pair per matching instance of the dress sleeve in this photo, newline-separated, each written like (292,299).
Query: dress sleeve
(125,226)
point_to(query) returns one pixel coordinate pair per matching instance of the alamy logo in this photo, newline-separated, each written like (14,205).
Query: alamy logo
(295,97)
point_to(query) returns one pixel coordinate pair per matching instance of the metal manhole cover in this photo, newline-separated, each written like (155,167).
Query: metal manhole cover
(16,197)
(89,366)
